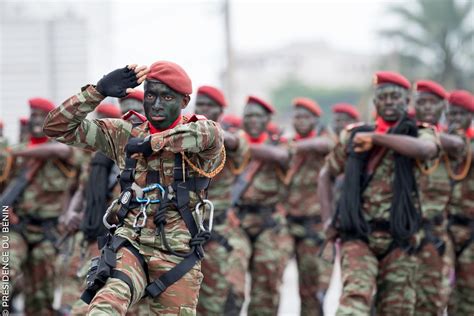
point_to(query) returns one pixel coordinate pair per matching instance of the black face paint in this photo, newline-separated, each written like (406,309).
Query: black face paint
(304,121)
(207,107)
(255,119)
(162,104)
(390,102)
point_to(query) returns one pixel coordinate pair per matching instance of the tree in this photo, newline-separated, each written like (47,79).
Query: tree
(435,38)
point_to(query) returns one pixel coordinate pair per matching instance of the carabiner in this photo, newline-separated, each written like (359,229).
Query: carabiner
(200,215)
(107,213)
(149,189)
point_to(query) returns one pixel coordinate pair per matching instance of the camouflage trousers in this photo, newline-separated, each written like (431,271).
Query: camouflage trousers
(271,250)
(238,267)
(462,298)
(35,258)
(215,267)
(115,298)
(433,278)
(391,280)
(73,265)
(314,273)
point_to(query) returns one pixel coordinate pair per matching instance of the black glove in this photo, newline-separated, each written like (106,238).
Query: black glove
(139,145)
(115,84)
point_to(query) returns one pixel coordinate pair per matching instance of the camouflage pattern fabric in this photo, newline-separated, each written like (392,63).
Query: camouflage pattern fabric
(215,267)
(432,278)
(32,250)
(302,205)
(393,275)
(271,246)
(202,142)
(462,204)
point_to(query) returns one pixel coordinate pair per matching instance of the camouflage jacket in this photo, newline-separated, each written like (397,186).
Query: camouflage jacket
(462,198)
(220,190)
(201,141)
(302,182)
(48,193)
(434,188)
(377,197)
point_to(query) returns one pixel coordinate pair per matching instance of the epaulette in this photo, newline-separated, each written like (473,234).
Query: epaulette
(131,113)
(425,125)
(354,125)
(194,118)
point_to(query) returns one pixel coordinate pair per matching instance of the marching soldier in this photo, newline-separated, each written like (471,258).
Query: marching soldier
(378,216)
(45,173)
(460,208)
(435,250)
(308,150)
(166,163)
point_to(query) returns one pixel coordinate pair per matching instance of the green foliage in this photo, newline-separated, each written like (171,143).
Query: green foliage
(435,38)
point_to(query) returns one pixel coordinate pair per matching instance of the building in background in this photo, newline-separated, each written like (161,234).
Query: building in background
(49,51)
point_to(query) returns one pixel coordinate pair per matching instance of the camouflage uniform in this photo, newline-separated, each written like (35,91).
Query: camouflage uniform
(435,252)
(32,250)
(215,267)
(461,213)
(367,268)
(264,222)
(304,221)
(202,141)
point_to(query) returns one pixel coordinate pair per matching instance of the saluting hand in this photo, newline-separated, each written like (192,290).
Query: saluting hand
(363,141)
(120,82)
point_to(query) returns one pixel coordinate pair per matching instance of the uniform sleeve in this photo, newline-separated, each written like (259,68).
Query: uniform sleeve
(68,124)
(429,134)
(237,156)
(203,139)
(336,159)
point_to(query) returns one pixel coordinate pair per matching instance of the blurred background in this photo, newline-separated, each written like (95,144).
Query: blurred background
(322,49)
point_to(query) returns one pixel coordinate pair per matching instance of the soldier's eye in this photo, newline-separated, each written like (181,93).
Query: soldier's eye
(168,98)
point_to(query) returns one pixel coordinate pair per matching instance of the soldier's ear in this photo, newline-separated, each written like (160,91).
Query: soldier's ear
(185,101)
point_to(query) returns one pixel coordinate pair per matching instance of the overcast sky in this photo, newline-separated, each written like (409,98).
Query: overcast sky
(191,32)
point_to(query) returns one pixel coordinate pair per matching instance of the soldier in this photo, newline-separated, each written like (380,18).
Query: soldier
(460,208)
(156,248)
(308,149)
(257,192)
(132,104)
(435,250)
(343,114)
(45,172)
(210,102)
(377,215)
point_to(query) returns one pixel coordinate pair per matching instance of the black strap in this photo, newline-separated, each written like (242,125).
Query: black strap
(159,285)
(222,240)
(117,274)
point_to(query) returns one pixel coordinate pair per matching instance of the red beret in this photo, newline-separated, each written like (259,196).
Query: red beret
(389,77)
(308,104)
(41,104)
(346,108)
(462,98)
(213,93)
(109,110)
(431,87)
(136,94)
(267,106)
(172,75)
(231,120)
(24,120)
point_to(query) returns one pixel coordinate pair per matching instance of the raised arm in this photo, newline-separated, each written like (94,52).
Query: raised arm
(320,145)
(45,151)
(270,153)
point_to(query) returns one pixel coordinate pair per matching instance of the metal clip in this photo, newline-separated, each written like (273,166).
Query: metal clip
(170,193)
(200,215)
(107,213)
(142,214)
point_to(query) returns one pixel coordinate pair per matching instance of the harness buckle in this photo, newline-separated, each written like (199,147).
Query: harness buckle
(107,213)
(200,216)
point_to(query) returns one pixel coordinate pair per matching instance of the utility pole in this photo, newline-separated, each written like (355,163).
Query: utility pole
(229,70)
